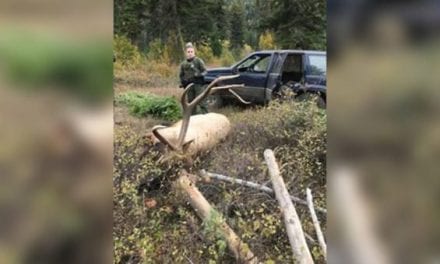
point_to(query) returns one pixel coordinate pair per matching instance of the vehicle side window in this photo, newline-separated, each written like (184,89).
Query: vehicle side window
(256,63)
(251,60)
(318,65)
(262,65)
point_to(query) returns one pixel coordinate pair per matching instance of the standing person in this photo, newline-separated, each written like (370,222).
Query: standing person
(192,71)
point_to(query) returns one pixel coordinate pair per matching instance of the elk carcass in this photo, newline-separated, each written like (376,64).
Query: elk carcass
(196,133)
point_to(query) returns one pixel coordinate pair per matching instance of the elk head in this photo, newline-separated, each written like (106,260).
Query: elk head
(196,133)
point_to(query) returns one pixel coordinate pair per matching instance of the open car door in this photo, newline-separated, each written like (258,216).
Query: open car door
(274,75)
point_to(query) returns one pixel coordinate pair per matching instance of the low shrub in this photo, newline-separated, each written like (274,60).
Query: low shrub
(266,41)
(125,53)
(140,105)
(204,52)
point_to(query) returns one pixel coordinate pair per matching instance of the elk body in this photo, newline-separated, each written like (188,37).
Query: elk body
(203,133)
(196,133)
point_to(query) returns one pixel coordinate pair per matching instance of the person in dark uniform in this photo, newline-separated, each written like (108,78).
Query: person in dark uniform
(192,70)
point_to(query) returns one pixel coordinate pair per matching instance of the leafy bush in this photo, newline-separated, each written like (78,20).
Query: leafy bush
(173,49)
(155,50)
(227,58)
(127,54)
(266,41)
(205,53)
(245,51)
(142,105)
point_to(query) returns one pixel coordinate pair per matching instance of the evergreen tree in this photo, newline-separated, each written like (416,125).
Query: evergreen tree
(237,26)
(170,23)
(298,23)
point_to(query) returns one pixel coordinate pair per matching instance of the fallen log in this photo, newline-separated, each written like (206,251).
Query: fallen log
(354,214)
(204,210)
(253,185)
(316,223)
(291,220)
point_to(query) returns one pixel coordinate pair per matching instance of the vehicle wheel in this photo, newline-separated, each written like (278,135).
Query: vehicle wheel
(214,101)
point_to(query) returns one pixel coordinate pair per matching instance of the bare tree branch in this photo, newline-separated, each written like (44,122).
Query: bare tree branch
(253,185)
(316,223)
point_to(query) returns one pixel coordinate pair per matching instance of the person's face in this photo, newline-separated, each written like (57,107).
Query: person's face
(190,53)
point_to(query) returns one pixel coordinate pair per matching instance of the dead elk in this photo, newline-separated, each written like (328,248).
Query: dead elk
(196,133)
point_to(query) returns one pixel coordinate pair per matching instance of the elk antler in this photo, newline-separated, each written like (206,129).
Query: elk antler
(161,138)
(238,97)
(189,106)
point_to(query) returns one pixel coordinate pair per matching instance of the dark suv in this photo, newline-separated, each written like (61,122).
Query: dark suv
(265,73)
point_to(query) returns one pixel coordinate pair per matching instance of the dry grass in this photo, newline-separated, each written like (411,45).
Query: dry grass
(138,125)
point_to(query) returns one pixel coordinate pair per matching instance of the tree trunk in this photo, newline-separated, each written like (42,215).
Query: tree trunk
(178,28)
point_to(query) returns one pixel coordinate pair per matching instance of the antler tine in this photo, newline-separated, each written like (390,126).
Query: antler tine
(208,89)
(238,97)
(183,99)
(227,87)
(161,138)
(186,115)
(188,106)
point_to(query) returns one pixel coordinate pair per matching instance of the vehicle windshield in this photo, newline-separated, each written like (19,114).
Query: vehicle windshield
(256,63)
(318,65)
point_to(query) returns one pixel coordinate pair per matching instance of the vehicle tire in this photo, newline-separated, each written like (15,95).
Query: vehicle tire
(214,102)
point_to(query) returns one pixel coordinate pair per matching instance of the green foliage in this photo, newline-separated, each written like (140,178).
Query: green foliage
(216,46)
(297,24)
(142,105)
(173,49)
(41,62)
(211,230)
(205,53)
(155,50)
(126,54)
(226,59)
(128,18)
(292,24)
(237,26)
(246,51)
